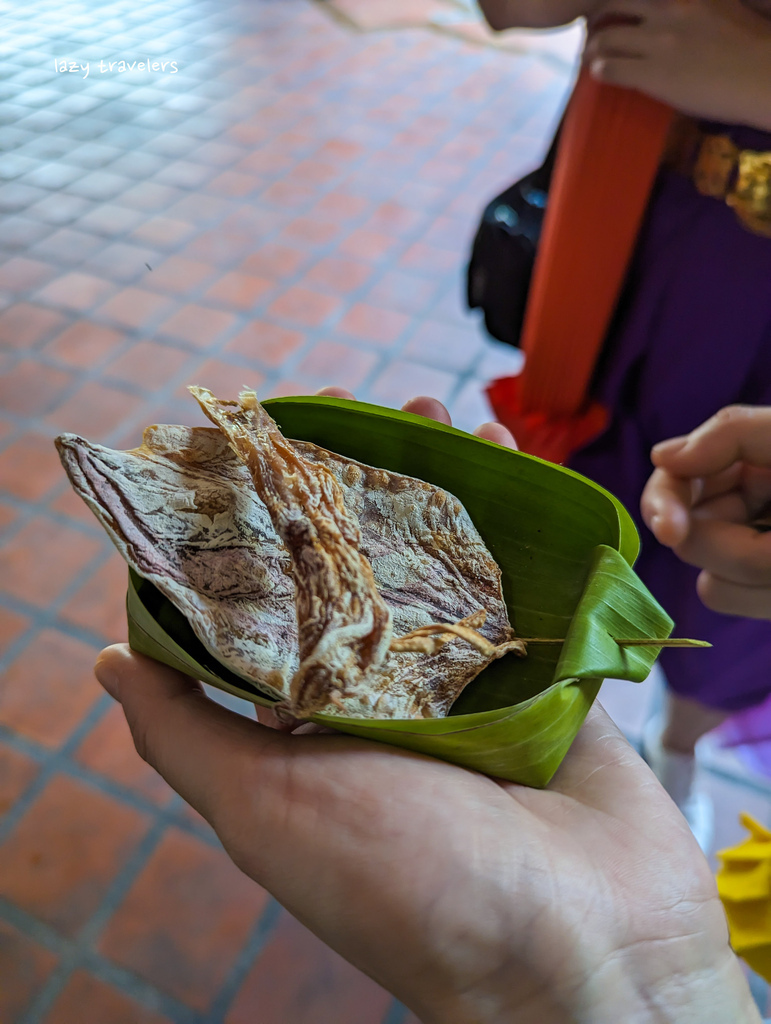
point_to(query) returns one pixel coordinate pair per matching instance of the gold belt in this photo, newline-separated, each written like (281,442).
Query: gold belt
(741,178)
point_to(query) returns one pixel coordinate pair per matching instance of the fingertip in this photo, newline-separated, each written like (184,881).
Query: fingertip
(430,408)
(336,392)
(662,452)
(670,526)
(123,673)
(107,669)
(498,433)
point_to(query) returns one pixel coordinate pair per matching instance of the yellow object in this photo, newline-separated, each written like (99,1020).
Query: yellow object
(744,885)
(741,178)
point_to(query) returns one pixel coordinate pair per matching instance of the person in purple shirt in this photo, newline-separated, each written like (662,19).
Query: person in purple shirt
(692,332)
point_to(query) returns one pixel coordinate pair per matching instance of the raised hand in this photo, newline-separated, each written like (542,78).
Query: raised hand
(707,491)
(707,58)
(474,901)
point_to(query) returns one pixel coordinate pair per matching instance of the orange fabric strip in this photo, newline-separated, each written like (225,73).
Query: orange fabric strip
(610,150)
(611,146)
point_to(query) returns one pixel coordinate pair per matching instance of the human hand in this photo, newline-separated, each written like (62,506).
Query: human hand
(474,901)
(707,58)
(706,490)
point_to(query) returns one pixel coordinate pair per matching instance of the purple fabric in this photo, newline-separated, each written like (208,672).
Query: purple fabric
(692,334)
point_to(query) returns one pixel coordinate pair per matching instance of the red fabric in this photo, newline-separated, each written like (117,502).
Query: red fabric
(610,149)
(553,438)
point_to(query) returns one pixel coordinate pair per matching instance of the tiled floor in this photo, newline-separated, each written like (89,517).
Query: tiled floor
(289,205)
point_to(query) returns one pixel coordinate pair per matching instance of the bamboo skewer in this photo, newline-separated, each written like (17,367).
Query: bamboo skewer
(645,642)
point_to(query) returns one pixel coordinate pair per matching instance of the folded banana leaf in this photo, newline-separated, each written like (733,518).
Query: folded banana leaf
(565,547)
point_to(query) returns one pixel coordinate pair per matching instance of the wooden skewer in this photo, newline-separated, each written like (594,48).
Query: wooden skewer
(645,642)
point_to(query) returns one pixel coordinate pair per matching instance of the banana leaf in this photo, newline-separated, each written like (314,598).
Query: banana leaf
(565,547)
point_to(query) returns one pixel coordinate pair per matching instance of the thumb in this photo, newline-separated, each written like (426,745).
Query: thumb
(198,746)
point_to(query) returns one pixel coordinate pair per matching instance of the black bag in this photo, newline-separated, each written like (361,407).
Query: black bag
(503,253)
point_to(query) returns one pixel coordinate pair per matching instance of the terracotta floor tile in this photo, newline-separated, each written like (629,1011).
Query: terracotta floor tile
(76,291)
(222,245)
(234,183)
(19,274)
(68,246)
(267,162)
(100,604)
(12,625)
(315,172)
(59,208)
(108,219)
(99,185)
(163,232)
(199,209)
(404,292)
(402,380)
(21,232)
(185,174)
(24,966)
(42,560)
(30,389)
(86,999)
(238,291)
(288,387)
(197,325)
(218,154)
(341,150)
(304,307)
(184,920)
(373,323)
(64,691)
(16,772)
(179,275)
(430,261)
(365,244)
(299,979)
(24,325)
(452,233)
(275,261)
(267,343)
(288,194)
(8,515)
(15,197)
(62,856)
(135,307)
(148,365)
(67,503)
(30,467)
(122,262)
(226,380)
(329,362)
(417,195)
(109,750)
(338,274)
(311,231)
(84,344)
(445,346)
(392,218)
(94,411)
(340,206)
(150,196)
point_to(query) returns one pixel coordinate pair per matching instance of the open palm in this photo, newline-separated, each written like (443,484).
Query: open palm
(471,899)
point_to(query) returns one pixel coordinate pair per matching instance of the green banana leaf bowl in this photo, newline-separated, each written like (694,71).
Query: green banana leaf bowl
(566,549)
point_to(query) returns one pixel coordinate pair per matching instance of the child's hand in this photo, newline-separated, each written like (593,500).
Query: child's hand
(707,58)
(707,490)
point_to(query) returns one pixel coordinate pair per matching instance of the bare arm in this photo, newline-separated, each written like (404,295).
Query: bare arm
(503,14)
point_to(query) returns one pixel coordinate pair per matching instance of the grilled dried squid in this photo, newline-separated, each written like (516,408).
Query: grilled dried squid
(329,585)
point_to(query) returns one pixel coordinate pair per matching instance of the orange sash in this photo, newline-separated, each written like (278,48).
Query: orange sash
(610,149)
